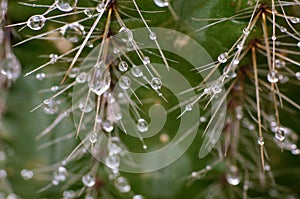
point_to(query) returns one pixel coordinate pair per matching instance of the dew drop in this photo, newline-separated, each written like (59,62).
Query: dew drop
(232,176)
(202,119)
(261,141)
(51,107)
(99,79)
(246,31)
(295,151)
(273,76)
(146,60)
(273,37)
(11,67)
(223,57)
(136,71)
(216,88)
(283,29)
(152,36)
(65,5)
(12,196)
(73,32)
(125,82)
(81,78)
(88,12)
(161,3)
(27,174)
(60,174)
(107,126)
(69,194)
(3,174)
(100,7)
(93,138)
(298,44)
(128,34)
(88,180)
(123,66)
(53,58)
(84,106)
(113,145)
(279,63)
(122,184)
(156,83)
(142,125)
(295,20)
(189,107)
(36,22)
(137,197)
(280,133)
(297,74)
(112,161)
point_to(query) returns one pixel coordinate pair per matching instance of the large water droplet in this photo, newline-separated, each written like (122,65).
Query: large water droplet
(73,32)
(161,3)
(36,22)
(142,125)
(65,5)
(122,184)
(88,180)
(99,79)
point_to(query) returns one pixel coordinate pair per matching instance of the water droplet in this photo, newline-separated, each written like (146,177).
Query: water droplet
(100,7)
(3,174)
(267,167)
(11,67)
(273,76)
(279,63)
(295,20)
(146,60)
(137,197)
(12,196)
(81,78)
(246,31)
(60,174)
(283,29)
(65,5)
(88,12)
(69,194)
(124,82)
(122,184)
(51,107)
(280,133)
(36,22)
(232,176)
(136,71)
(189,107)
(161,3)
(112,161)
(53,58)
(99,79)
(298,44)
(202,119)
(152,36)
(93,138)
(107,126)
(295,151)
(54,88)
(73,32)
(297,74)
(223,57)
(156,83)
(27,174)
(260,141)
(123,66)
(84,106)
(239,112)
(88,180)
(113,145)
(216,88)
(142,125)
(273,37)
(128,37)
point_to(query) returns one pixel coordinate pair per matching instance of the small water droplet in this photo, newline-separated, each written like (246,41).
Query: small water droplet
(10,67)
(280,133)
(283,29)
(53,58)
(12,196)
(161,3)
(273,76)
(152,36)
(123,66)
(136,71)
(51,107)
(297,74)
(113,145)
(189,107)
(73,32)
(60,174)
(88,180)
(3,174)
(124,82)
(202,119)
(27,174)
(122,184)
(142,125)
(232,176)
(137,197)
(273,37)
(69,194)
(146,60)
(267,167)
(107,126)
(156,83)
(84,106)
(246,31)
(295,20)
(298,44)
(279,63)
(112,161)
(126,34)
(223,57)
(260,141)
(88,12)
(65,5)
(93,138)
(36,22)
(81,78)
(100,7)
(216,88)
(295,151)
